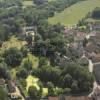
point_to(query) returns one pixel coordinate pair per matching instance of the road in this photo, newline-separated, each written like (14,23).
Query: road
(90,66)
(95,85)
(19,93)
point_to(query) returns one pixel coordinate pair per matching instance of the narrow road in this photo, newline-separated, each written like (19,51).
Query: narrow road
(90,66)
(19,93)
(95,85)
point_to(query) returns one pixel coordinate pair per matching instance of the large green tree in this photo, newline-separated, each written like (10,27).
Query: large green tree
(3,94)
(13,57)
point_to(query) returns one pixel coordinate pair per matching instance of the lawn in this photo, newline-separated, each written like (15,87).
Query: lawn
(33,81)
(71,15)
(92,20)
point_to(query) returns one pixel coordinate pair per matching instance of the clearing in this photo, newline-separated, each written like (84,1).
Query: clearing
(71,15)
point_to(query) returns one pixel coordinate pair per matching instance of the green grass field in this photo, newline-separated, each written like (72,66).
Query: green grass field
(92,20)
(71,15)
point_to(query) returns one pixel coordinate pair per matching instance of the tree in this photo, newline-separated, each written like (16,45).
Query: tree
(85,41)
(67,80)
(43,61)
(24,50)
(74,87)
(4,33)
(13,57)
(3,71)
(38,2)
(33,93)
(3,94)
(50,88)
(48,73)
(80,79)
(27,64)
(83,61)
(29,39)
(22,73)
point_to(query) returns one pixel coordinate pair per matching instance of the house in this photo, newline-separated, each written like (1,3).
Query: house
(90,47)
(91,34)
(95,38)
(77,98)
(95,58)
(96,26)
(68,31)
(77,47)
(79,36)
(96,94)
(28,30)
(61,60)
(2,82)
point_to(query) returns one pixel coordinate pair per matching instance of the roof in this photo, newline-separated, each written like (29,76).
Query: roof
(71,98)
(68,32)
(53,98)
(77,98)
(96,58)
(90,47)
(2,81)
(96,26)
(11,87)
(80,35)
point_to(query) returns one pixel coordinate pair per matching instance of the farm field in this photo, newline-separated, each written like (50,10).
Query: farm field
(71,15)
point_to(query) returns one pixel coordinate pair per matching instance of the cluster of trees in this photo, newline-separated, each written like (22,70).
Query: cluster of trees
(49,43)
(13,57)
(38,2)
(3,93)
(10,22)
(9,3)
(3,70)
(73,77)
(57,5)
